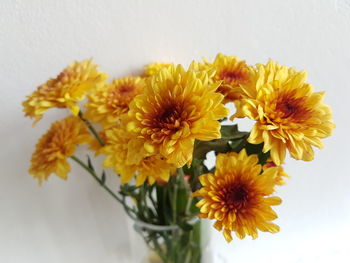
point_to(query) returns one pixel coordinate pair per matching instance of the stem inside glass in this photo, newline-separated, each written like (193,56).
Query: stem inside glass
(172,243)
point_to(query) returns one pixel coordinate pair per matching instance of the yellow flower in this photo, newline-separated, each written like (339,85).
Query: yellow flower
(232,73)
(54,147)
(69,87)
(279,179)
(238,197)
(153,68)
(107,104)
(176,108)
(288,114)
(144,166)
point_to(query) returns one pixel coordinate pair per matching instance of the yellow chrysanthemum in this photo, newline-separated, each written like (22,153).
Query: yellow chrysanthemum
(54,147)
(238,197)
(107,104)
(69,87)
(281,174)
(154,68)
(288,114)
(176,108)
(232,73)
(144,166)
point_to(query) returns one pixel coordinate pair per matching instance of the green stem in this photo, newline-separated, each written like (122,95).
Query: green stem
(155,206)
(92,129)
(93,174)
(143,202)
(174,197)
(187,187)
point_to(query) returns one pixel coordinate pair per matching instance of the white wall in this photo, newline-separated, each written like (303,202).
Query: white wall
(75,221)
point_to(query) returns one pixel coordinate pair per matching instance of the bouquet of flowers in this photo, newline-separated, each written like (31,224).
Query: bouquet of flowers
(155,131)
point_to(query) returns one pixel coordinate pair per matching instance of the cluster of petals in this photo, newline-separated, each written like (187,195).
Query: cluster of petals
(108,103)
(176,108)
(56,145)
(231,72)
(145,167)
(64,91)
(289,115)
(238,196)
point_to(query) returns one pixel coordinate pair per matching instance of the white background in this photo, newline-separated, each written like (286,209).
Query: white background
(75,221)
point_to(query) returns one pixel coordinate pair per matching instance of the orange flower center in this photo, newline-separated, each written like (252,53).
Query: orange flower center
(289,107)
(235,196)
(229,77)
(234,77)
(167,119)
(121,96)
(169,116)
(126,89)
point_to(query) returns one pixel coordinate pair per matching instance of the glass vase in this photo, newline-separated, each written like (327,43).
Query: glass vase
(172,243)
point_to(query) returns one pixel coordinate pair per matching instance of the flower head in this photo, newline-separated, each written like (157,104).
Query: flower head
(288,114)
(232,73)
(144,166)
(69,87)
(54,147)
(108,103)
(176,108)
(154,68)
(238,197)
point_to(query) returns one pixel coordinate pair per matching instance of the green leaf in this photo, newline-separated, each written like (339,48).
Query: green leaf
(263,157)
(234,144)
(254,148)
(164,207)
(90,163)
(128,190)
(181,202)
(196,163)
(257,149)
(197,168)
(103,178)
(202,148)
(194,210)
(228,133)
(231,132)
(238,144)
